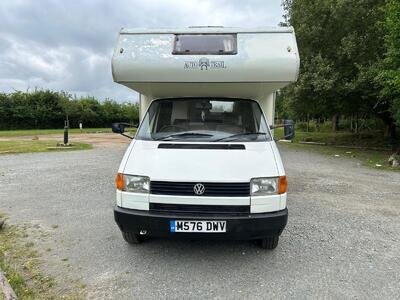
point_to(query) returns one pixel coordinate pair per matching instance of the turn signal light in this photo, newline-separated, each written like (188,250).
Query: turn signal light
(119,181)
(282,185)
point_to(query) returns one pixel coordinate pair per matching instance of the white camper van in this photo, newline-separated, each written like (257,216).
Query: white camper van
(203,162)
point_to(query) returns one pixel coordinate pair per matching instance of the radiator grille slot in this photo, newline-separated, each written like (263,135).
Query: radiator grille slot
(211,189)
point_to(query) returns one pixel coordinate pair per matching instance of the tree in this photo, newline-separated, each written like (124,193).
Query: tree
(390,75)
(341,44)
(5,110)
(130,112)
(49,109)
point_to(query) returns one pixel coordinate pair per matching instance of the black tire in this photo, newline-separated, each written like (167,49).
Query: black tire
(269,243)
(132,238)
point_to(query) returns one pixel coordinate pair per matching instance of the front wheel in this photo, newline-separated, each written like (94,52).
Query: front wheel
(132,238)
(269,243)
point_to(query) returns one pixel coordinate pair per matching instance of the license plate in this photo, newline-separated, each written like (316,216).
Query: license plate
(197,226)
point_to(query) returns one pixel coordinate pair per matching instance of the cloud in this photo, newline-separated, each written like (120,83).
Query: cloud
(67,45)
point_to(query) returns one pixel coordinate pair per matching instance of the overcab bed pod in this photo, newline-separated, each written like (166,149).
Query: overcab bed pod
(207,62)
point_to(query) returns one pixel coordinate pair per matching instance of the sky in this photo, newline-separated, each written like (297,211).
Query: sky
(67,45)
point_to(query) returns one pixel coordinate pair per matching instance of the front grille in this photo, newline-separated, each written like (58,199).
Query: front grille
(199,209)
(211,189)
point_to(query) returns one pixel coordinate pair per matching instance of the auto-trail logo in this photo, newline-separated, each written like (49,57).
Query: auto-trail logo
(204,64)
(199,189)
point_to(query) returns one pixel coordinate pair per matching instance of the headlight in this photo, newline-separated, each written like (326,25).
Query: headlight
(268,186)
(264,186)
(133,183)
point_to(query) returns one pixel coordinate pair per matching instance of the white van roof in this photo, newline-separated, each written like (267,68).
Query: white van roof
(205,30)
(262,61)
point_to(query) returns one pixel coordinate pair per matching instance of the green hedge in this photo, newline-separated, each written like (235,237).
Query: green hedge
(48,109)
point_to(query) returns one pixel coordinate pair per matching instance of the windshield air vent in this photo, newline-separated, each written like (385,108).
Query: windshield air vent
(202,146)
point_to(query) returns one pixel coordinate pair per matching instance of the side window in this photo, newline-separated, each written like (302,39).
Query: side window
(247,117)
(164,115)
(260,124)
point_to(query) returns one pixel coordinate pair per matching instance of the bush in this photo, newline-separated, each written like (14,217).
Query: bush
(48,109)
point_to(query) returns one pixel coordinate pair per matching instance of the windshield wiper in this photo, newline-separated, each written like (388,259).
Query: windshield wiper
(239,135)
(184,134)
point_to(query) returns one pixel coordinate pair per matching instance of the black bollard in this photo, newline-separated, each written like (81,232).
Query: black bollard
(66,133)
(288,129)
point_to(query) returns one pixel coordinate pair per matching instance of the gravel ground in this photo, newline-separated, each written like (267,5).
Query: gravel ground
(342,238)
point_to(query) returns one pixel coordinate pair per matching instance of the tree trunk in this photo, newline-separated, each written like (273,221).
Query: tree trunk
(356,123)
(390,128)
(390,131)
(351,124)
(335,122)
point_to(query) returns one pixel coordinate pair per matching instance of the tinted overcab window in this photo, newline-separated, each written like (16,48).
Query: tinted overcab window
(205,44)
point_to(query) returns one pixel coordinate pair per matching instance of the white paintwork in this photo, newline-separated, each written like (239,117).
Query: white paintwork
(189,165)
(283,200)
(125,157)
(206,29)
(267,104)
(265,203)
(119,198)
(134,200)
(257,160)
(142,61)
(257,204)
(261,204)
(267,60)
(278,160)
(200,200)
(263,94)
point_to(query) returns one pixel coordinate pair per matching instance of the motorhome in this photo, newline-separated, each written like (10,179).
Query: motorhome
(203,161)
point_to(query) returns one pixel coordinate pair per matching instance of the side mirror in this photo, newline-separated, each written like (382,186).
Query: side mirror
(120,128)
(288,129)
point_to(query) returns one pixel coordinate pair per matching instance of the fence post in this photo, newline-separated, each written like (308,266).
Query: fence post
(66,126)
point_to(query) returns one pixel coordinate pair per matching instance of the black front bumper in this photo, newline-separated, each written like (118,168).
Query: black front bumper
(243,227)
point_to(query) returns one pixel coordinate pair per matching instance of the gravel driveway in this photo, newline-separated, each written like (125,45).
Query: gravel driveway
(342,238)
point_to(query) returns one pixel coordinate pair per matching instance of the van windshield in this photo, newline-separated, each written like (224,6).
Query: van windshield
(204,120)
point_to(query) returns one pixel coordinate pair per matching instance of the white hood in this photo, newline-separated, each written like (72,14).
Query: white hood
(203,165)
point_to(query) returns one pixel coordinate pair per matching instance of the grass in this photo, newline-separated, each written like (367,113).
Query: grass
(24,146)
(371,158)
(363,139)
(373,152)
(33,132)
(21,263)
